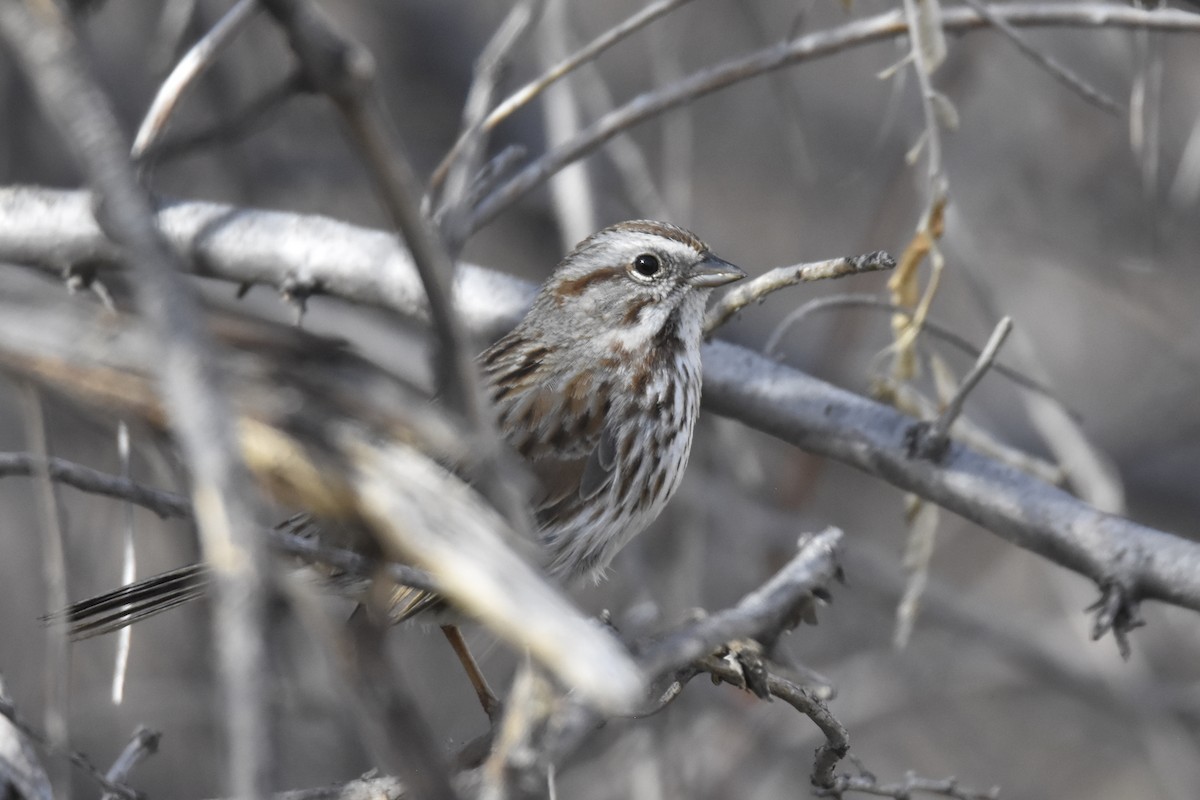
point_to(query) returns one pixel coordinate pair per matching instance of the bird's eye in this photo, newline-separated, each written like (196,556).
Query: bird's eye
(647,265)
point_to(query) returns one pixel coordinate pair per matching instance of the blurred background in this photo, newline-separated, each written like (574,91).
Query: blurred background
(1079,223)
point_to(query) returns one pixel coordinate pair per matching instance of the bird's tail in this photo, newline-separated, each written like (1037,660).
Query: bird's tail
(122,607)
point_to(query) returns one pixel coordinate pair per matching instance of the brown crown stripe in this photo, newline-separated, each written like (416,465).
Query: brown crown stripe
(663,229)
(577,286)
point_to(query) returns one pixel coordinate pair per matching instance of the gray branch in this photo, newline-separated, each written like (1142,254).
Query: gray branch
(53,229)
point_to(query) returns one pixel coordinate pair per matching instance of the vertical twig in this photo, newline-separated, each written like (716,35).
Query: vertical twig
(128,569)
(54,571)
(571,188)
(41,37)
(678,135)
(344,71)
(388,721)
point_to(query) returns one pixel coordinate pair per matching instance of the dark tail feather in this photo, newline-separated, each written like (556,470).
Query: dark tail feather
(120,608)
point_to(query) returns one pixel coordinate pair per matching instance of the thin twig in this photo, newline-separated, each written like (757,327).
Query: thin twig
(929,440)
(311,549)
(783,277)
(143,745)
(128,568)
(531,90)
(906,398)
(454,208)
(572,192)
(812,46)
(81,761)
(837,740)
(192,66)
(237,125)
(57,673)
(932,327)
(825,781)
(169,504)
(778,604)
(1048,62)
(164,504)
(904,790)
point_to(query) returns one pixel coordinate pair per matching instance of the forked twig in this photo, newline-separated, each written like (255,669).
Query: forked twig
(143,745)
(929,440)
(531,90)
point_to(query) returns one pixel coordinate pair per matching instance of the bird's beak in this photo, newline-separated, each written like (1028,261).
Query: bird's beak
(712,272)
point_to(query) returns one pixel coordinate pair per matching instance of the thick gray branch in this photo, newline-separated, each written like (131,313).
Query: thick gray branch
(54,230)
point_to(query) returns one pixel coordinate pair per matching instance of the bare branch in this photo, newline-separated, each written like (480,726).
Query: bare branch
(192,66)
(468,153)
(776,606)
(811,46)
(45,47)
(54,571)
(344,71)
(52,228)
(21,771)
(169,504)
(782,277)
(556,727)
(832,422)
(81,761)
(904,790)
(932,327)
(365,450)
(143,745)
(1048,62)
(164,504)
(531,90)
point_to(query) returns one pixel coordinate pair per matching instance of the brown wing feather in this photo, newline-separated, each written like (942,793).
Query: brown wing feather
(558,426)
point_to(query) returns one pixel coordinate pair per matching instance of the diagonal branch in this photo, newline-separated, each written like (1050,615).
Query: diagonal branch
(50,228)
